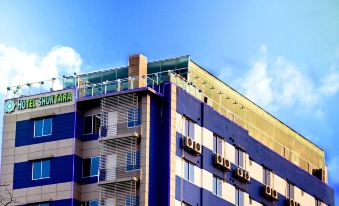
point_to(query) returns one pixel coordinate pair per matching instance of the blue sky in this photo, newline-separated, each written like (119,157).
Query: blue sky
(284,55)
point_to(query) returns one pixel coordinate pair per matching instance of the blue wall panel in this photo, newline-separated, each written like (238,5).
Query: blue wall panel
(234,134)
(159,162)
(61,171)
(65,202)
(62,128)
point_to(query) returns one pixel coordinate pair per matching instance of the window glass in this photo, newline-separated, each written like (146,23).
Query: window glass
(217,186)
(88,125)
(96,124)
(47,129)
(45,168)
(41,204)
(239,158)
(188,171)
(191,129)
(90,167)
(267,177)
(134,117)
(93,203)
(132,200)
(95,166)
(86,167)
(41,169)
(133,160)
(36,170)
(38,128)
(239,197)
(217,145)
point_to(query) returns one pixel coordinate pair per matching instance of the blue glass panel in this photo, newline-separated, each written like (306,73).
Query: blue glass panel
(36,170)
(93,203)
(137,163)
(214,185)
(130,117)
(44,204)
(46,167)
(186,170)
(95,166)
(129,166)
(191,173)
(47,130)
(138,123)
(38,128)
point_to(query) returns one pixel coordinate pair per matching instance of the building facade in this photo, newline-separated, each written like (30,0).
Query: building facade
(152,133)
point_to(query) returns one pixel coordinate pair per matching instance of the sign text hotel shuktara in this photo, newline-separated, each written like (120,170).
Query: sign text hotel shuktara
(11,105)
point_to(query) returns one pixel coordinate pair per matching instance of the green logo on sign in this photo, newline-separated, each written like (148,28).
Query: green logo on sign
(9,106)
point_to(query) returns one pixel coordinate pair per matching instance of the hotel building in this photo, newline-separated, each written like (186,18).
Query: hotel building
(152,133)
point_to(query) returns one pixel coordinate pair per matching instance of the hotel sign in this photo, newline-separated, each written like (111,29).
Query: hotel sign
(12,105)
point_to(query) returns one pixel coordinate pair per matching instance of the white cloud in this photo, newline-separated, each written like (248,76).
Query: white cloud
(276,82)
(330,83)
(20,67)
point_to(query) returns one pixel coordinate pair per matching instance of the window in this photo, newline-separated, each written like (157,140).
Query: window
(268,177)
(239,158)
(40,204)
(134,117)
(188,171)
(90,203)
(290,190)
(90,167)
(217,186)
(318,202)
(133,160)
(188,128)
(239,197)
(41,169)
(132,200)
(217,144)
(92,124)
(42,127)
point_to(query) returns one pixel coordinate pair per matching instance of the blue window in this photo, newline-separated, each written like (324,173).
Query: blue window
(41,169)
(239,197)
(90,203)
(132,200)
(90,167)
(217,186)
(43,127)
(133,160)
(134,117)
(188,171)
(40,204)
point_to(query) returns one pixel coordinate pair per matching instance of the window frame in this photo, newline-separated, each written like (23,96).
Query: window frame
(267,172)
(136,117)
(239,151)
(41,169)
(90,168)
(136,158)
(42,127)
(238,196)
(216,140)
(217,186)
(92,124)
(190,175)
(189,125)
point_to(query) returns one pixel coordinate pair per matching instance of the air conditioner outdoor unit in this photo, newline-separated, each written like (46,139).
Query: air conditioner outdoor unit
(267,191)
(297,203)
(188,143)
(274,194)
(227,164)
(290,202)
(247,176)
(218,160)
(239,172)
(197,147)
